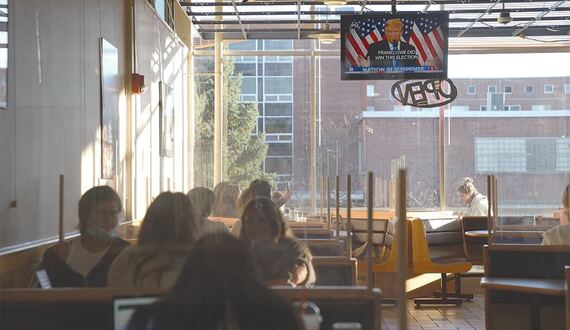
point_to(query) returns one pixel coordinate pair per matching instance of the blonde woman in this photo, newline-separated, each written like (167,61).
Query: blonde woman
(477,203)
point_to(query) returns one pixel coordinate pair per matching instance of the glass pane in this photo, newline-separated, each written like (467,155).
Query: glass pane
(278,69)
(278,165)
(278,85)
(280,149)
(278,125)
(522,139)
(278,44)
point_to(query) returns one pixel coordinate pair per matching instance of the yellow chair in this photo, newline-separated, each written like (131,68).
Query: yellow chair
(422,263)
(388,262)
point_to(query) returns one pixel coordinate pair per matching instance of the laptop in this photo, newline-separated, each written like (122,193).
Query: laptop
(123,309)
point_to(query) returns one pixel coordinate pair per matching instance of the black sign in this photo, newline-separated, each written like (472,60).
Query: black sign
(424,93)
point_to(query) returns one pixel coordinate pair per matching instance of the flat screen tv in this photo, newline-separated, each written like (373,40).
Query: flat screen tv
(385,46)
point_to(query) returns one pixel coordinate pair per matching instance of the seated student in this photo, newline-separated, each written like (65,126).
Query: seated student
(245,197)
(84,261)
(560,235)
(264,227)
(259,188)
(477,204)
(218,289)
(168,230)
(286,263)
(202,200)
(227,196)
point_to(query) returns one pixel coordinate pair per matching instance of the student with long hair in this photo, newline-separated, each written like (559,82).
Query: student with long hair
(225,204)
(169,229)
(280,257)
(202,200)
(218,289)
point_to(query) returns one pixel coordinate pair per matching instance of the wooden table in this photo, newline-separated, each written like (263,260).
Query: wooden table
(549,287)
(506,233)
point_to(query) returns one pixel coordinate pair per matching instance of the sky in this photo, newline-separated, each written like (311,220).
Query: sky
(509,65)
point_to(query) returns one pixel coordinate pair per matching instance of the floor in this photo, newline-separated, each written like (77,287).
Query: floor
(469,316)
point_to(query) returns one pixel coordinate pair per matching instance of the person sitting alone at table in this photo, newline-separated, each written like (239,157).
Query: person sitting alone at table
(85,261)
(259,188)
(218,289)
(287,262)
(560,235)
(477,203)
(168,231)
(227,196)
(202,200)
(263,227)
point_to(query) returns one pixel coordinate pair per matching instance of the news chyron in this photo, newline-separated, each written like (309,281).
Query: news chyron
(389,46)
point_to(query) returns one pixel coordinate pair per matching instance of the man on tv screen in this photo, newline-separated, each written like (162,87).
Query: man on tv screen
(391,52)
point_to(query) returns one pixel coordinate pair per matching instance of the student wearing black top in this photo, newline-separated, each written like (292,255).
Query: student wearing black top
(218,289)
(85,261)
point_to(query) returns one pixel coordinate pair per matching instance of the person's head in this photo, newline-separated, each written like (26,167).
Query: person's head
(262,222)
(202,200)
(466,190)
(393,30)
(260,188)
(287,262)
(169,220)
(227,196)
(99,210)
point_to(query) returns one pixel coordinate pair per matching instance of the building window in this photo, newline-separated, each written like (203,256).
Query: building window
(370,108)
(369,90)
(528,89)
(518,155)
(500,155)
(278,125)
(541,107)
(492,89)
(566,88)
(563,155)
(548,89)
(512,107)
(471,89)
(508,89)
(483,108)
(459,108)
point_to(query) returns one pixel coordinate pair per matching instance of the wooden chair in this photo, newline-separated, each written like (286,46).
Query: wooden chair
(338,271)
(423,263)
(473,246)
(325,247)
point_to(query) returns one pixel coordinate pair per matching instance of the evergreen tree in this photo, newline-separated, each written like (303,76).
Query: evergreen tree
(244,151)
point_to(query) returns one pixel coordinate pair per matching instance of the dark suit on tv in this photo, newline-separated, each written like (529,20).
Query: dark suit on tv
(383,46)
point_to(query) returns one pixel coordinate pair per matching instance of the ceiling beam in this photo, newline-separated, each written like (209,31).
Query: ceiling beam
(349,3)
(308,12)
(336,21)
(239,19)
(470,25)
(538,18)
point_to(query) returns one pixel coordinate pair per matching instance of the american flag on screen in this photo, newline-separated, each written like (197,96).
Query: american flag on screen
(424,33)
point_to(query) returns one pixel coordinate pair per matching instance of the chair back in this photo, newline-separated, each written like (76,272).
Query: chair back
(420,249)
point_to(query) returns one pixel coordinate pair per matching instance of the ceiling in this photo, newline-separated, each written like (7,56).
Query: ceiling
(539,22)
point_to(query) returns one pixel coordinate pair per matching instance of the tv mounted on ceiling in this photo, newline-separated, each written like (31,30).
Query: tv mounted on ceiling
(386,46)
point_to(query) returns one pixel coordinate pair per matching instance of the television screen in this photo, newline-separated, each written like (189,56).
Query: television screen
(394,46)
